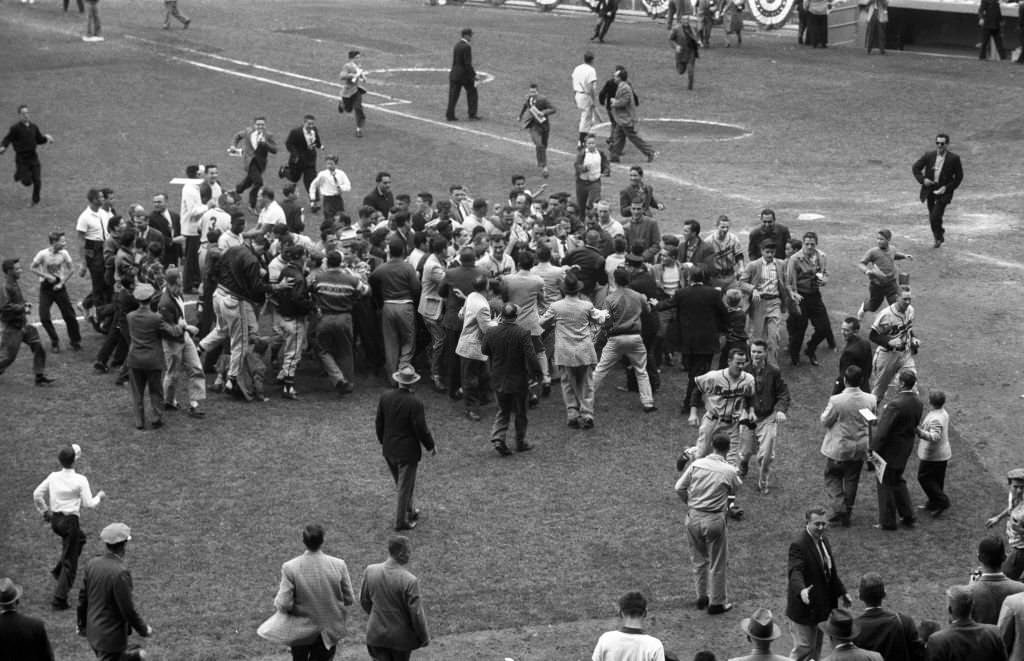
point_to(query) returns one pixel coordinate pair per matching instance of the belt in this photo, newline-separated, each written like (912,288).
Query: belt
(625,332)
(92,243)
(769,297)
(708,511)
(399,301)
(727,419)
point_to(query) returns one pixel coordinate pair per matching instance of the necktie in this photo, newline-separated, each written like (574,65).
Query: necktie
(336,184)
(826,561)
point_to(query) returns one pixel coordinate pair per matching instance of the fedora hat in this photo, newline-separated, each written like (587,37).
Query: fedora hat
(406,376)
(761,625)
(840,624)
(10,592)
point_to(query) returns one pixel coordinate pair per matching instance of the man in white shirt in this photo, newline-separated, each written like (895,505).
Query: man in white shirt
(59,498)
(584,91)
(327,188)
(629,643)
(196,199)
(270,212)
(606,221)
(92,231)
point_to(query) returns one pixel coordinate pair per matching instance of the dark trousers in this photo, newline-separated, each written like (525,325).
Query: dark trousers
(28,172)
(72,541)
(587,193)
(510,404)
(696,364)
(354,104)
(476,381)
(313,652)
(253,181)
(605,22)
(931,475)
(81,6)
(813,312)
(115,345)
(140,380)
(101,292)
(191,276)
(817,30)
(452,362)
(454,90)
(47,297)
(366,325)
(801,25)
(842,480)
(332,204)
(404,474)
(876,34)
(539,134)
(620,132)
(10,343)
(996,35)
(936,209)
(388,654)
(893,499)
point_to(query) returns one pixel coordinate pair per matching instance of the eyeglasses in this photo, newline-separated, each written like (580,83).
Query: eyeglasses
(941,143)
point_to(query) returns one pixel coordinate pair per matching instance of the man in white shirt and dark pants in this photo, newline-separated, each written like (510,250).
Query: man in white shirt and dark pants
(59,499)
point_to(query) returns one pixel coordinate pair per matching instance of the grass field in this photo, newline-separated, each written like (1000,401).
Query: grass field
(522,557)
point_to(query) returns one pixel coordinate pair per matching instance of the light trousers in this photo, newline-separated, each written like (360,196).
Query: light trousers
(632,347)
(709,550)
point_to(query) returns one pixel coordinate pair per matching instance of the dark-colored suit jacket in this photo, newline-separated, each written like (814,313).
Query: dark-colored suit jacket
(390,594)
(513,360)
(896,431)
(857,352)
(805,570)
(967,641)
(258,155)
(702,318)
(169,229)
(106,611)
(591,268)
(171,312)
(891,634)
(462,64)
(951,176)
(300,154)
(853,654)
(147,330)
(23,638)
(402,426)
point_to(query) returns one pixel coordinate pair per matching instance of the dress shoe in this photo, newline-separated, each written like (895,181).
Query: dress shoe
(100,368)
(545,390)
(158,424)
(409,525)
(344,387)
(289,393)
(908,521)
(718,609)
(413,515)
(55,347)
(702,602)
(60,605)
(451,119)
(927,507)
(475,118)
(653,155)
(587,423)
(938,243)
(937,512)
(879,526)
(523,447)
(574,423)
(195,412)
(533,401)
(812,359)
(171,406)
(650,409)
(502,449)
(43,380)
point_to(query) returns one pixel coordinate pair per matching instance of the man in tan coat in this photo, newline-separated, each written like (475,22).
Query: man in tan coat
(390,594)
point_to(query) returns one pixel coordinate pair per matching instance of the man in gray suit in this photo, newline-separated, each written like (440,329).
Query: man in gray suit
(106,610)
(390,594)
(315,587)
(846,444)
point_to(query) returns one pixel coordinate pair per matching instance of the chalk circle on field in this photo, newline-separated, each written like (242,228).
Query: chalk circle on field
(669,129)
(418,76)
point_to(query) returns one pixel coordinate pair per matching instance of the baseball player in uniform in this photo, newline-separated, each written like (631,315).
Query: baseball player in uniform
(728,400)
(893,332)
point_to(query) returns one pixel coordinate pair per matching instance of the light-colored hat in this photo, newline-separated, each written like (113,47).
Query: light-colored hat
(406,376)
(10,592)
(761,625)
(1015,475)
(143,292)
(116,533)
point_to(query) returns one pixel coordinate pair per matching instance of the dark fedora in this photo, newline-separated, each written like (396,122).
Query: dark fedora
(840,624)
(761,625)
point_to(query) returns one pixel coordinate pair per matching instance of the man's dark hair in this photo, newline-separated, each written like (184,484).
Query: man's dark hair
(267,193)
(381,175)
(117,549)
(633,604)
(694,226)
(943,136)
(396,248)
(937,398)
(353,53)
(588,57)
(401,218)
(526,260)
(767,212)
(543,253)
(872,589)
(621,277)
(814,510)
(307,116)
(288,189)
(854,323)
(333,259)
(398,544)
(853,376)
(720,442)
(66,456)
(403,197)
(93,195)
(313,536)
(991,551)
(736,352)
(621,71)
(55,236)
(811,235)
(438,244)
(907,380)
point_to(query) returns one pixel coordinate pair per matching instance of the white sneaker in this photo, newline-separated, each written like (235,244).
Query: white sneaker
(97,38)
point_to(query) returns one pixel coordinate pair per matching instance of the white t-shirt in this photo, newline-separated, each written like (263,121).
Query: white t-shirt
(271,215)
(628,646)
(91,223)
(584,78)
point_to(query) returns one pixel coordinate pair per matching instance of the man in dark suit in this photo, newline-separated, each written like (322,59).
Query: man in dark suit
(940,173)
(255,145)
(702,320)
(891,634)
(390,594)
(462,75)
(513,364)
(857,351)
(381,198)
(589,264)
(814,585)
(302,144)
(893,440)
(21,637)
(964,638)
(106,610)
(168,223)
(401,430)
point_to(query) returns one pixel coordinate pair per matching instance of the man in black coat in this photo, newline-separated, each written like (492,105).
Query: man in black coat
(401,430)
(702,320)
(513,364)
(589,264)
(168,223)
(26,136)
(462,75)
(857,351)
(814,585)
(893,441)
(940,173)
(883,630)
(302,144)
(21,637)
